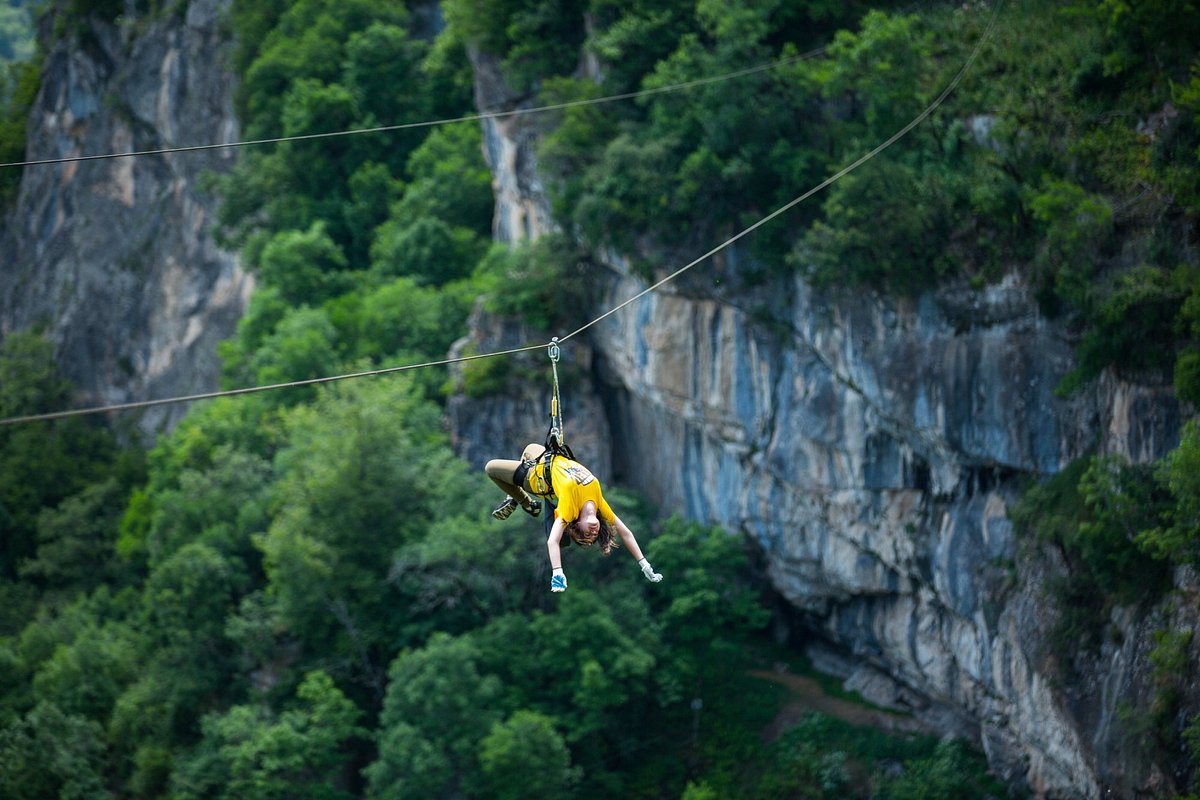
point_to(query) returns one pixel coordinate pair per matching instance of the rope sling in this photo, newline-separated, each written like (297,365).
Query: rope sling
(556,438)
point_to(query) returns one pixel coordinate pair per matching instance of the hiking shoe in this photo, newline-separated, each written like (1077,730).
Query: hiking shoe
(534,508)
(505,509)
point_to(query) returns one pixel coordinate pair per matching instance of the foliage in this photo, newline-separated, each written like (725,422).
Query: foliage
(304,266)
(45,464)
(1074,225)
(535,38)
(1052,508)
(1135,325)
(48,753)
(438,707)
(76,542)
(248,752)
(525,755)
(544,284)
(1191,736)
(351,487)
(1177,539)
(1121,498)
(1096,511)
(1140,35)
(950,773)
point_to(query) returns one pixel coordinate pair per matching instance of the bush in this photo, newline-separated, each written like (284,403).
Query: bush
(544,284)
(1133,327)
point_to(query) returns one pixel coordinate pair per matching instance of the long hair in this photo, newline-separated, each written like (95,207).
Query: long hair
(585,538)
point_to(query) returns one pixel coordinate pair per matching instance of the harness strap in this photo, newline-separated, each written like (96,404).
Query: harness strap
(556,434)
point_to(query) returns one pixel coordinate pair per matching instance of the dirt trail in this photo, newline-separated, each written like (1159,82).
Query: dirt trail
(808,696)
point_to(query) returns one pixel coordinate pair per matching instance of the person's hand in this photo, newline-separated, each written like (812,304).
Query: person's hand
(558,583)
(649,572)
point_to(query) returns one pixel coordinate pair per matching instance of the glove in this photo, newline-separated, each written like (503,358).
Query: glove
(649,572)
(558,583)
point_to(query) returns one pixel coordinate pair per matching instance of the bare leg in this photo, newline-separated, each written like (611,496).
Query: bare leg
(501,470)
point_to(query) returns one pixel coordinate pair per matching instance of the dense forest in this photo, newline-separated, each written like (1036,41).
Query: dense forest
(301,594)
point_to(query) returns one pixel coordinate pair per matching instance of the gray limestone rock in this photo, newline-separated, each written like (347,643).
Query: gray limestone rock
(116,258)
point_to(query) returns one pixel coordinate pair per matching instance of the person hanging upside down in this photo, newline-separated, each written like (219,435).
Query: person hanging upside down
(582,512)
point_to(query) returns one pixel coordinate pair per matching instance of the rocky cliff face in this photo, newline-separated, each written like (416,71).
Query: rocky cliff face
(870,448)
(116,258)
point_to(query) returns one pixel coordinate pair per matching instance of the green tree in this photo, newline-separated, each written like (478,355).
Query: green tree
(221,505)
(439,705)
(365,471)
(185,657)
(76,541)
(712,596)
(16,32)
(882,68)
(372,191)
(1122,499)
(533,37)
(41,464)
(48,753)
(307,41)
(401,318)
(1133,327)
(544,283)
(448,181)
(409,766)
(1075,226)
(951,773)
(1178,539)
(524,755)
(250,753)
(381,62)
(459,576)
(427,250)
(84,677)
(1157,35)
(306,267)
(303,346)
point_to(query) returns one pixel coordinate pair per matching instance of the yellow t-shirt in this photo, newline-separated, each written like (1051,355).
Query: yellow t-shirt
(574,485)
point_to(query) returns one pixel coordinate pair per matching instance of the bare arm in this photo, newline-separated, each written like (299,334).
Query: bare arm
(627,538)
(635,551)
(558,580)
(552,544)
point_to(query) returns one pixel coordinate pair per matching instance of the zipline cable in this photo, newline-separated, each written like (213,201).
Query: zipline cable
(250,389)
(432,123)
(789,205)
